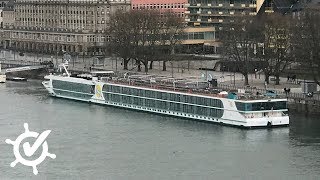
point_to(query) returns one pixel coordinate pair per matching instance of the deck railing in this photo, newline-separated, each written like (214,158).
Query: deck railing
(254,90)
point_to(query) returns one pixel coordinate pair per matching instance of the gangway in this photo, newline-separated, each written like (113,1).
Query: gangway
(17,66)
(26,68)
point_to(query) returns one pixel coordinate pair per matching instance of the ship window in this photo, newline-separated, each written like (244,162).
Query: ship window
(92,89)
(159,95)
(164,95)
(136,101)
(116,89)
(260,106)
(125,90)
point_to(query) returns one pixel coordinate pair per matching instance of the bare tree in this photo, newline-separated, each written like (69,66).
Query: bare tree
(237,39)
(172,31)
(148,40)
(306,41)
(120,42)
(273,45)
(143,35)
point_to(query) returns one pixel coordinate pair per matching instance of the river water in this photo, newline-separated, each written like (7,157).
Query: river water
(99,142)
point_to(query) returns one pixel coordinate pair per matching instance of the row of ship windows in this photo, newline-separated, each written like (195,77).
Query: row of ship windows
(75,87)
(164,96)
(73,94)
(83,91)
(83,88)
(170,106)
(261,106)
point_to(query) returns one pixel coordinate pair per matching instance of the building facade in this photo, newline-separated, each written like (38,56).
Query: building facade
(174,6)
(3,4)
(216,12)
(55,26)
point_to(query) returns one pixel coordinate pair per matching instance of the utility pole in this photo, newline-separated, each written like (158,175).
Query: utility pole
(116,63)
(171,69)
(234,78)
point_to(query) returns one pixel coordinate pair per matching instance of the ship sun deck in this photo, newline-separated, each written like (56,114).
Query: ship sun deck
(191,85)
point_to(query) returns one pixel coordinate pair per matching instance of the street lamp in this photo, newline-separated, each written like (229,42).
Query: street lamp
(57,59)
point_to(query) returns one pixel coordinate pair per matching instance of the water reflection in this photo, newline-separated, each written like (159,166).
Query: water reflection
(95,142)
(304,130)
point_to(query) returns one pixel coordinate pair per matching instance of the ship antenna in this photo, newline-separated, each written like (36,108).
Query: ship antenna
(65,67)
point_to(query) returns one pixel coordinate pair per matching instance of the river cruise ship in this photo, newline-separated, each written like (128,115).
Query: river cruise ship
(183,98)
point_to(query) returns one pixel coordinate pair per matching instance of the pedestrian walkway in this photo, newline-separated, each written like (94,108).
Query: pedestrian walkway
(177,69)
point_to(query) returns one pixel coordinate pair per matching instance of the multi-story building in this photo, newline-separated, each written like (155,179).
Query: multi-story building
(216,12)
(2,5)
(174,6)
(53,26)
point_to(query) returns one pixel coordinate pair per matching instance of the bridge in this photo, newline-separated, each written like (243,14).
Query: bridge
(9,66)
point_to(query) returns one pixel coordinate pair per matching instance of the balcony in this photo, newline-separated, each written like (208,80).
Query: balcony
(269,10)
(196,24)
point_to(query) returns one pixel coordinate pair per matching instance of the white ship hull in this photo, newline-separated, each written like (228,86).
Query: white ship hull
(231,115)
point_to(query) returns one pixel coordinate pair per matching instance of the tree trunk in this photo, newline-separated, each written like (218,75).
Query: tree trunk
(266,78)
(125,64)
(164,66)
(277,79)
(139,66)
(246,79)
(145,67)
(151,65)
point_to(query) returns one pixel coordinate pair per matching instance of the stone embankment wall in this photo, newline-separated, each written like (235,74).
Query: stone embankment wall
(304,106)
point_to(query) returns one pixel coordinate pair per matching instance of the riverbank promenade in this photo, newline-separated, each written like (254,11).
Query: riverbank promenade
(177,69)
